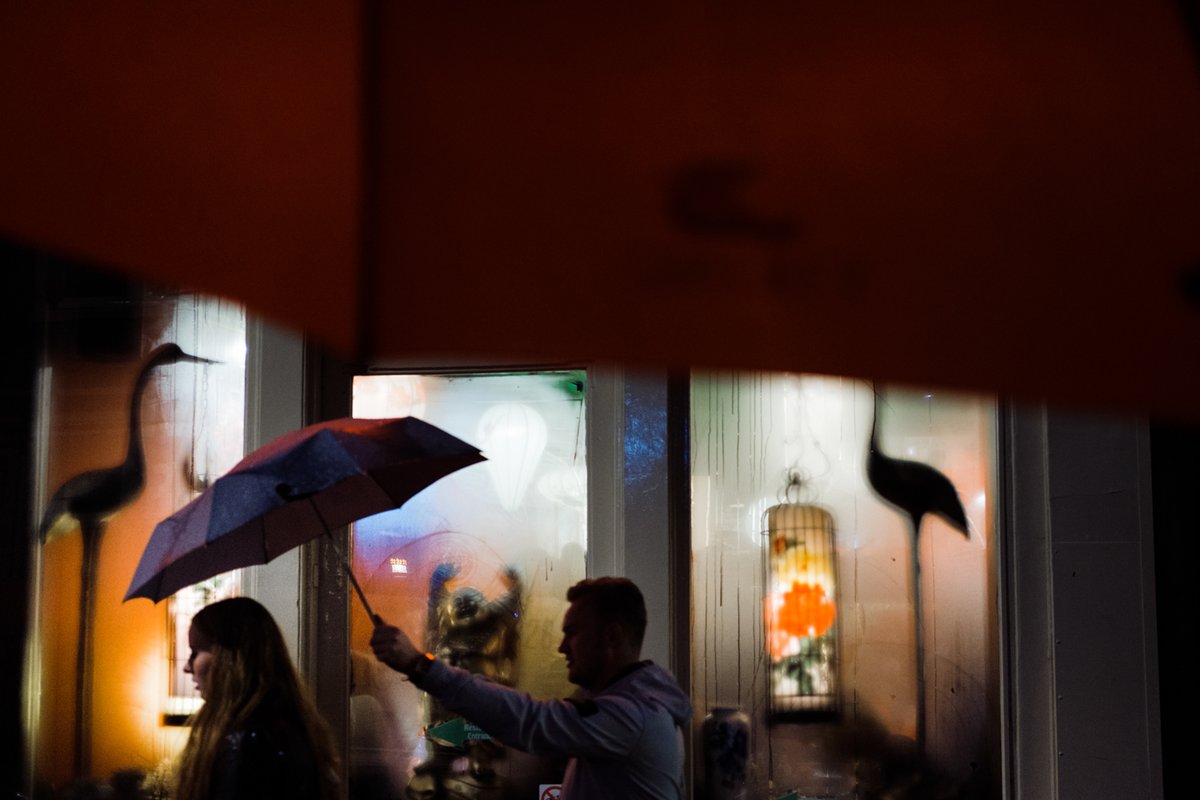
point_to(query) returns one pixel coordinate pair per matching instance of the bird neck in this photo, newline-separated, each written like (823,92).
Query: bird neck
(874,441)
(133,452)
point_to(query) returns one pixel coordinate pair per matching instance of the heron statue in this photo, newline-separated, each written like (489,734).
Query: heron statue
(86,502)
(916,489)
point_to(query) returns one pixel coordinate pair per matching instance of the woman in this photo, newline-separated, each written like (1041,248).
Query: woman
(258,734)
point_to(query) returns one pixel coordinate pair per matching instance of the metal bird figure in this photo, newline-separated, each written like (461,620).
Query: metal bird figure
(916,489)
(88,500)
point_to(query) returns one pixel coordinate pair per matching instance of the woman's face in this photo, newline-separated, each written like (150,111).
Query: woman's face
(199,663)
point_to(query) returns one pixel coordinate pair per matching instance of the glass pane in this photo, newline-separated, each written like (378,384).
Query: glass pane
(524,509)
(103,680)
(821,649)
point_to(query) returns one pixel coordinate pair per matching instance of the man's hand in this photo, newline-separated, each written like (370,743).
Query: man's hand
(394,648)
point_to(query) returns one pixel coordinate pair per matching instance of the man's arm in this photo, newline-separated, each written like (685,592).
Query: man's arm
(607,728)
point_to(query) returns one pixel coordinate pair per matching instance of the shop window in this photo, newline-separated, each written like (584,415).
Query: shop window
(182,699)
(104,684)
(476,567)
(808,584)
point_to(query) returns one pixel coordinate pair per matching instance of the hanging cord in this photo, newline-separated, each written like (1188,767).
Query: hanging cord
(797,487)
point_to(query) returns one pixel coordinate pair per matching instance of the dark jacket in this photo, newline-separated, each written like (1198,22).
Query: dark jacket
(266,758)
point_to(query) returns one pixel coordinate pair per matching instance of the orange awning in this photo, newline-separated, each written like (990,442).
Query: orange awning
(999,197)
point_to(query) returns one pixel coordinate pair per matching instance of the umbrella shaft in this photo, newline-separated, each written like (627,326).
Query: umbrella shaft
(359,591)
(353,580)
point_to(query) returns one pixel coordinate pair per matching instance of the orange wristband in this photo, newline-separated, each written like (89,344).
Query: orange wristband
(419,666)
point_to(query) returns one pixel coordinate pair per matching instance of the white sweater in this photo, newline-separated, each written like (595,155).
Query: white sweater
(623,742)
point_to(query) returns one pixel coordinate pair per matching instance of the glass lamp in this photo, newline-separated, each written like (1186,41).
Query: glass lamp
(801,609)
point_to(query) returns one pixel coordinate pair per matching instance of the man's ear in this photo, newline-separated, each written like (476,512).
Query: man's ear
(613,635)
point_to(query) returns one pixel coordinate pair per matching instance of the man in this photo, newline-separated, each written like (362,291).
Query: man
(623,741)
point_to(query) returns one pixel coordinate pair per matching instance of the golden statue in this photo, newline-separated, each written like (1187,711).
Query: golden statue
(466,630)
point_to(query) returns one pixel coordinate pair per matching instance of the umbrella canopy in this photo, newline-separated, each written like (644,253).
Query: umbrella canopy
(295,488)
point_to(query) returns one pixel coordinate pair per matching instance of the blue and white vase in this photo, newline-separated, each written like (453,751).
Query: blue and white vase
(726,733)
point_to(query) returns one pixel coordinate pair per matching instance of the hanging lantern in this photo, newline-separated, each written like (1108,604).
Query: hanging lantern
(801,608)
(513,437)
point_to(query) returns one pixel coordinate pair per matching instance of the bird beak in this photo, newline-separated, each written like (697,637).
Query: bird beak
(188,357)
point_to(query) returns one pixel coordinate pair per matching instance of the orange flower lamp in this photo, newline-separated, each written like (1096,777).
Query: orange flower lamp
(801,609)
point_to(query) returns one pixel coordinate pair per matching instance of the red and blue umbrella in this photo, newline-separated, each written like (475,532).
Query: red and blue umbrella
(292,490)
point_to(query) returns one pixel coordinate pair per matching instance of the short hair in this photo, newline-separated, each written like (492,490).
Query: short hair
(616,600)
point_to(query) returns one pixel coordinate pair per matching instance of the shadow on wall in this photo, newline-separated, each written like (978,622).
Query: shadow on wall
(878,764)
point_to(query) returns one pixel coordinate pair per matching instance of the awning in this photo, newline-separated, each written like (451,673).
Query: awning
(1000,197)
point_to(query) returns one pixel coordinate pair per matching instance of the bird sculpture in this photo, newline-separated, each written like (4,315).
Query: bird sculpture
(916,489)
(87,501)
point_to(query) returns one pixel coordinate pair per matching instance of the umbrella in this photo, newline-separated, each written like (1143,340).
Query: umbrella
(290,491)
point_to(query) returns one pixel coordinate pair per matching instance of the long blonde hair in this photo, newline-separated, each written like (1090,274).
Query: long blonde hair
(249,660)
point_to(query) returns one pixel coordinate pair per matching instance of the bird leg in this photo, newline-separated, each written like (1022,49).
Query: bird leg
(918,640)
(90,533)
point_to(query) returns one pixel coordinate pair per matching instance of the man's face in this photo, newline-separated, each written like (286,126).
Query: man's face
(582,644)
